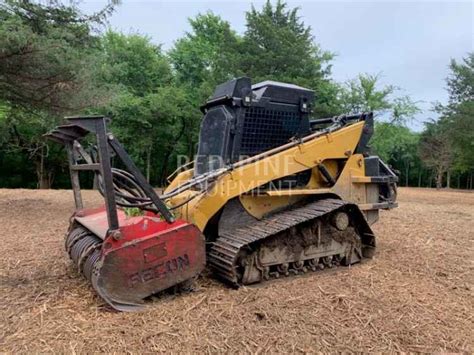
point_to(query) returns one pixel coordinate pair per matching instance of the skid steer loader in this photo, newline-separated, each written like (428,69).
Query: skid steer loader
(271,193)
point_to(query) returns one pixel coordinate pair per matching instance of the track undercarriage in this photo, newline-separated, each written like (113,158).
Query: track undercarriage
(319,234)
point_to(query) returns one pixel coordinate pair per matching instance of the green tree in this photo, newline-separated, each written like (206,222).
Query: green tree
(461,80)
(46,56)
(457,119)
(277,45)
(365,94)
(435,150)
(459,115)
(207,55)
(397,145)
(45,51)
(153,128)
(133,63)
(150,113)
(461,122)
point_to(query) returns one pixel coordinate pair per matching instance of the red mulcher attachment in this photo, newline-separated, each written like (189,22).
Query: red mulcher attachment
(146,255)
(126,257)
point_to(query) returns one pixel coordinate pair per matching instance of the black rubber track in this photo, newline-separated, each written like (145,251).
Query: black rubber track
(224,252)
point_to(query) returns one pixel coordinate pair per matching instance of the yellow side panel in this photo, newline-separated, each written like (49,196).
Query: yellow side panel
(259,205)
(345,188)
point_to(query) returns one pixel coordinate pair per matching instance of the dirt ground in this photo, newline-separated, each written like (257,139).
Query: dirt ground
(415,295)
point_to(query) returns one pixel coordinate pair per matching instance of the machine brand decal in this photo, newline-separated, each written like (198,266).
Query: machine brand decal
(160,270)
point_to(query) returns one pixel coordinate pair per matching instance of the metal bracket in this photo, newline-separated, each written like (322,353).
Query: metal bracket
(76,129)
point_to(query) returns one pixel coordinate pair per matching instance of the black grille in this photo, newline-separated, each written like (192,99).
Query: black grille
(264,129)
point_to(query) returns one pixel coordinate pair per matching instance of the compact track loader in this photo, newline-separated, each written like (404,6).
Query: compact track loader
(271,193)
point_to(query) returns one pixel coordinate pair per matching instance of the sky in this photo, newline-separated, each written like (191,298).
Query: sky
(408,43)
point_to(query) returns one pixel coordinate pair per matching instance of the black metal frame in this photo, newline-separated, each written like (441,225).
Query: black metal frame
(70,135)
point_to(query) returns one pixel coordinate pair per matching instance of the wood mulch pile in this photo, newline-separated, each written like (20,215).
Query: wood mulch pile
(415,295)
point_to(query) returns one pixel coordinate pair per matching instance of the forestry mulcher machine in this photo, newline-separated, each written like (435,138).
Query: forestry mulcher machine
(271,193)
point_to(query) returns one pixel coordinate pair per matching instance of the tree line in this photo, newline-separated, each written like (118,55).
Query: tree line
(55,61)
